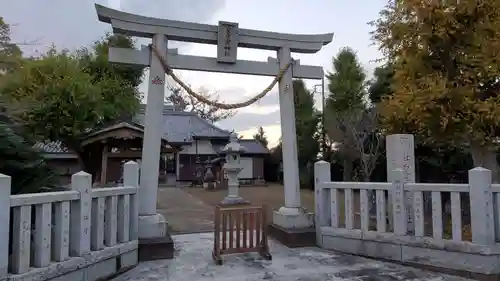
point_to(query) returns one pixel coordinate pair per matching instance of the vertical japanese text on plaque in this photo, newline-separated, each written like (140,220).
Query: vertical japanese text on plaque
(227,42)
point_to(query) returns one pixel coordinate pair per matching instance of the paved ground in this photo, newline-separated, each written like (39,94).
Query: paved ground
(184,212)
(193,262)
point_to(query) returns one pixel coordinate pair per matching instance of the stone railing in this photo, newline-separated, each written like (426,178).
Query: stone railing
(81,234)
(344,222)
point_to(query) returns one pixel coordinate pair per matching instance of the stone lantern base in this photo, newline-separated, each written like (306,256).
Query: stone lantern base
(233,200)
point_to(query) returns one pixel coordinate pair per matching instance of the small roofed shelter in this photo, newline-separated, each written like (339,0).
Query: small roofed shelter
(115,144)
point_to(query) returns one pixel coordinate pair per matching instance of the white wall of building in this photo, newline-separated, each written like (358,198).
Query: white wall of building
(204,147)
(247,164)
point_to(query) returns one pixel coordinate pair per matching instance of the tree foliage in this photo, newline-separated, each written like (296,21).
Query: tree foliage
(346,83)
(95,60)
(261,137)
(185,102)
(381,84)
(344,106)
(446,83)
(60,96)
(9,51)
(306,121)
(25,165)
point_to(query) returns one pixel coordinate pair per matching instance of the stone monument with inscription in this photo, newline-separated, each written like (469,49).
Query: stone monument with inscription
(401,155)
(228,36)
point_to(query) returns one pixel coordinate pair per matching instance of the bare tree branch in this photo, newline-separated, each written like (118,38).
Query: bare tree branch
(186,102)
(357,132)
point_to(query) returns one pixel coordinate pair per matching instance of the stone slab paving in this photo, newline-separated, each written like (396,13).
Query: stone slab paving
(193,262)
(184,212)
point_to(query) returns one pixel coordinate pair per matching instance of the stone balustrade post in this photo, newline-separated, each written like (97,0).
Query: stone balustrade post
(131,178)
(5,190)
(481,206)
(322,173)
(80,215)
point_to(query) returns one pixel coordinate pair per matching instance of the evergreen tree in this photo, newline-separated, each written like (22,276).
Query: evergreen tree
(26,166)
(306,121)
(261,137)
(345,105)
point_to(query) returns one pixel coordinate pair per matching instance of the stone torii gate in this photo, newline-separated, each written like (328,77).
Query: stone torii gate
(228,37)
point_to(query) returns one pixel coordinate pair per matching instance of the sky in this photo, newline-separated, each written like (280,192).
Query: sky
(73,23)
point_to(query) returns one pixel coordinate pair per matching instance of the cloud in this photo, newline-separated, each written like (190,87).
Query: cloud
(244,121)
(73,24)
(273,133)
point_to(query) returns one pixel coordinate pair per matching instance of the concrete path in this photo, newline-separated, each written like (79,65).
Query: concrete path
(193,262)
(184,212)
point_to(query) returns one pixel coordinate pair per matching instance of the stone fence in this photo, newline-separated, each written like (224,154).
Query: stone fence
(343,221)
(81,234)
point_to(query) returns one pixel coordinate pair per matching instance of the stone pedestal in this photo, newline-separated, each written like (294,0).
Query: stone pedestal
(152,226)
(293,218)
(155,242)
(233,196)
(293,227)
(233,200)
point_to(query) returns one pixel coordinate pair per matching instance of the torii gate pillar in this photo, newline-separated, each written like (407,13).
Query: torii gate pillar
(291,215)
(152,224)
(292,226)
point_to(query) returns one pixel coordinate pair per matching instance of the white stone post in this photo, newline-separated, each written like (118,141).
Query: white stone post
(481,206)
(322,173)
(79,241)
(151,224)
(291,215)
(401,155)
(131,178)
(5,189)
(151,145)
(289,135)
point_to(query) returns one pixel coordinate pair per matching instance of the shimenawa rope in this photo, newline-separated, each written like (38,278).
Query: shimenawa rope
(201,98)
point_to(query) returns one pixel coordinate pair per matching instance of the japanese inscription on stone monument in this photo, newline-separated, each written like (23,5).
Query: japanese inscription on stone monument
(406,145)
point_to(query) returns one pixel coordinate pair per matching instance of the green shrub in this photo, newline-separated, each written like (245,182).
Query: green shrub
(28,169)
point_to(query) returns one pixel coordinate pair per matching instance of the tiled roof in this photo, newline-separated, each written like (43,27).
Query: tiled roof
(51,147)
(181,126)
(252,147)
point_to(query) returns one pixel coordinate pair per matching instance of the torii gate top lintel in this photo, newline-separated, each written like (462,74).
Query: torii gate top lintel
(142,26)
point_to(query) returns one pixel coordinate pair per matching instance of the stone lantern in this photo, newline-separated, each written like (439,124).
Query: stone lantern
(233,167)
(209,178)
